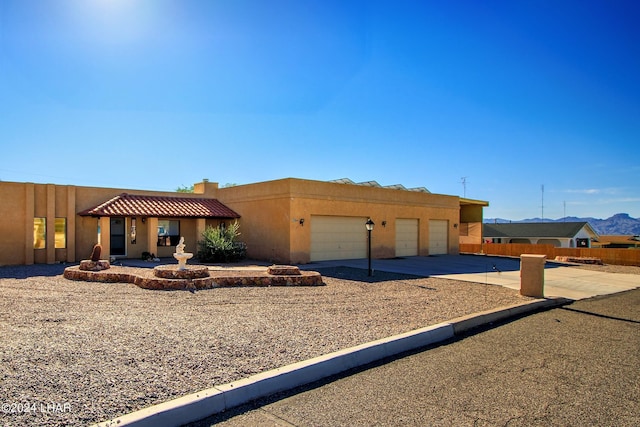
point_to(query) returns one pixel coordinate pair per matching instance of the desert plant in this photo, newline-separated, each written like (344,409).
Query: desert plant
(184,189)
(219,244)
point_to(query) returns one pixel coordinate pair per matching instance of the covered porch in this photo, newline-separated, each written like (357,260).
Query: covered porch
(135,226)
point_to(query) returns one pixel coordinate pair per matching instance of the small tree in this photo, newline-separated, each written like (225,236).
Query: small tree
(219,244)
(184,189)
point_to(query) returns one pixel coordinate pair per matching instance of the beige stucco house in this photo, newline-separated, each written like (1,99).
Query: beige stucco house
(283,221)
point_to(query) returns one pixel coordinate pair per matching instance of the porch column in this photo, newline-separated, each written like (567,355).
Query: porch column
(29,209)
(105,236)
(71,224)
(51,224)
(152,235)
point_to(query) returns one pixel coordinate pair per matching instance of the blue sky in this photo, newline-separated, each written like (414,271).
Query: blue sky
(159,94)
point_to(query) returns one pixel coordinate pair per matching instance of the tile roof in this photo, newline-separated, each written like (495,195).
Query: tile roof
(161,206)
(535,229)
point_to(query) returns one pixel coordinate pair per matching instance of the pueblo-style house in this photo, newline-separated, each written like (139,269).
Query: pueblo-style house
(289,220)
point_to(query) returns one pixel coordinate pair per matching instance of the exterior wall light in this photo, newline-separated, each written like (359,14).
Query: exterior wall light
(369,224)
(302,222)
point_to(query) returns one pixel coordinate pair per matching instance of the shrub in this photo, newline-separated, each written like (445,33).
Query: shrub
(220,245)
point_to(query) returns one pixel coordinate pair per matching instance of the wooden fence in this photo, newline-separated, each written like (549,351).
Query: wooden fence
(607,256)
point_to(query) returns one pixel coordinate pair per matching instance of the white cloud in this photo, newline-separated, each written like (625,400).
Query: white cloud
(590,191)
(621,200)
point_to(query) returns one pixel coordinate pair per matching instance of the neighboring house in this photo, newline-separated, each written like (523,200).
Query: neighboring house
(283,221)
(617,241)
(558,234)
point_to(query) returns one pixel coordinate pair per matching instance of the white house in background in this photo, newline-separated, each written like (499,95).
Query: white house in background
(558,234)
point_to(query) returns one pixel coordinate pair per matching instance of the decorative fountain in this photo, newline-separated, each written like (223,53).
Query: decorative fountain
(181,255)
(181,271)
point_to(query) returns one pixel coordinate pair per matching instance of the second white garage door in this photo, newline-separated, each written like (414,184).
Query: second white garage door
(406,237)
(338,237)
(438,237)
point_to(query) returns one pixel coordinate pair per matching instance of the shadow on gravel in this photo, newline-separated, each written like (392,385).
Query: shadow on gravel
(361,275)
(427,266)
(24,271)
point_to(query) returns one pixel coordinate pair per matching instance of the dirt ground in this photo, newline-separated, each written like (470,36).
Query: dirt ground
(75,353)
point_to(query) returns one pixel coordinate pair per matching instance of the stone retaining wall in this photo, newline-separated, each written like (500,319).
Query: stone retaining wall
(217,279)
(579,260)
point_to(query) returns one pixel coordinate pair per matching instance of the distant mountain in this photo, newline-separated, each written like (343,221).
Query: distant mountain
(620,223)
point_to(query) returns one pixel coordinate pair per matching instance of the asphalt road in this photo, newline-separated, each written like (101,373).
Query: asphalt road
(572,366)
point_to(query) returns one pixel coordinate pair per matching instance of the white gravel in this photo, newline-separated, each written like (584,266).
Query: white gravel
(74,353)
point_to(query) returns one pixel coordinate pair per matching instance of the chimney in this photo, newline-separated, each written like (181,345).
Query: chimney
(206,188)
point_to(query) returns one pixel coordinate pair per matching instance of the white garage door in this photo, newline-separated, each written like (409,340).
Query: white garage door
(438,237)
(338,237)
(406,237)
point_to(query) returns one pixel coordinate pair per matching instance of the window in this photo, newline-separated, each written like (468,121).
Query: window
(61,233)
(168,232)
(39,233)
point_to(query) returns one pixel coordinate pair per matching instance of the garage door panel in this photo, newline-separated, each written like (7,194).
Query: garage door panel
(438,237)
(407,237)
(336,237)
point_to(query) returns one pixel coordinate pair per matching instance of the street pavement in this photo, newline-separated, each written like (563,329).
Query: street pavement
(576,365)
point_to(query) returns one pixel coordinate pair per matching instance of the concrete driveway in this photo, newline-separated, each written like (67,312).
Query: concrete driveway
(561,280)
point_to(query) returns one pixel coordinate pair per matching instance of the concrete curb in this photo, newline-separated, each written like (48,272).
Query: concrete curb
(196,406)
(465,323)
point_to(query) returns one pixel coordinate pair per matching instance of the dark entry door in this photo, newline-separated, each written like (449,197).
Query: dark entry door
(118,236)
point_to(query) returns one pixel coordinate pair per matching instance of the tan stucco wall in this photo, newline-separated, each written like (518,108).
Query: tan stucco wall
(271,212)
(15,202)
(471,213)
(471,218)
(21,202)
(265,214)
(269,224)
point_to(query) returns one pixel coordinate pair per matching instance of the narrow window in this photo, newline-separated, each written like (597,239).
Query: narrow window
(39,233)
(168,232)
(61,233)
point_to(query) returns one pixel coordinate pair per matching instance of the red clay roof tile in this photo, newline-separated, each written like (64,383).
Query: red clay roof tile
(161,206)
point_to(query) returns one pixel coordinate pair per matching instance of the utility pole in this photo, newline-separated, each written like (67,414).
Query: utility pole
(542,206)
(464,186)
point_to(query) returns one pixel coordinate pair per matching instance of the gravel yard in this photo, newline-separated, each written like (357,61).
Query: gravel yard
(75,353)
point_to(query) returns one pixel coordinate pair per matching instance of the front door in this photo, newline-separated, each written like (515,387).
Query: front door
(118,236)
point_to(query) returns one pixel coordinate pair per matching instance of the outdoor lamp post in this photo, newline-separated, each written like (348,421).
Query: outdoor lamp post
(369,224)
